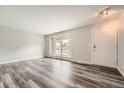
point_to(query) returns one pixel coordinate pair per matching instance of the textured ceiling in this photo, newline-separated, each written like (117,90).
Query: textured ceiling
(46,19)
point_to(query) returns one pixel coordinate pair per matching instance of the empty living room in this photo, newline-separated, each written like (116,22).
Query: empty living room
(62,46)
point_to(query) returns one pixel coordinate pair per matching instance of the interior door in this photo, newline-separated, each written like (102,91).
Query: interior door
(104,44)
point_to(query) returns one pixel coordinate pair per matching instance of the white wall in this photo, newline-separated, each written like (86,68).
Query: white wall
(121,44)
(16,45)
(80,44)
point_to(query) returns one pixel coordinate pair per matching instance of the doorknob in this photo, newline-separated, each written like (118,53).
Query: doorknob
(94,46)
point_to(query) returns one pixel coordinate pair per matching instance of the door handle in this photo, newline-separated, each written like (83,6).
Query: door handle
(94,46)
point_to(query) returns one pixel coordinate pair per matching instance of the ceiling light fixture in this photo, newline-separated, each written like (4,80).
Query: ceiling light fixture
(104,12)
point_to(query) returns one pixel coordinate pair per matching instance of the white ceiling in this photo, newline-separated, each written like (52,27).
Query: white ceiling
(46,19)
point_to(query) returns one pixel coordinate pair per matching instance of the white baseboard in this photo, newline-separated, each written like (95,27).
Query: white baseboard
(79,61)
(73,60)
(19,60)
(122,73)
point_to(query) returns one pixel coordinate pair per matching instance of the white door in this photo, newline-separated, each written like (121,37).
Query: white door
(104,44)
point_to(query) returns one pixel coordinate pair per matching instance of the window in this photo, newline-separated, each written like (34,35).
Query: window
(62,47)
(58,47)
(65,47)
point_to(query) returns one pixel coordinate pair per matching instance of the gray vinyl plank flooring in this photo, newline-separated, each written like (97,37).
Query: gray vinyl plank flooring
(55,73)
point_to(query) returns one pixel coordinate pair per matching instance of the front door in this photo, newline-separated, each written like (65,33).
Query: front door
(104,44)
